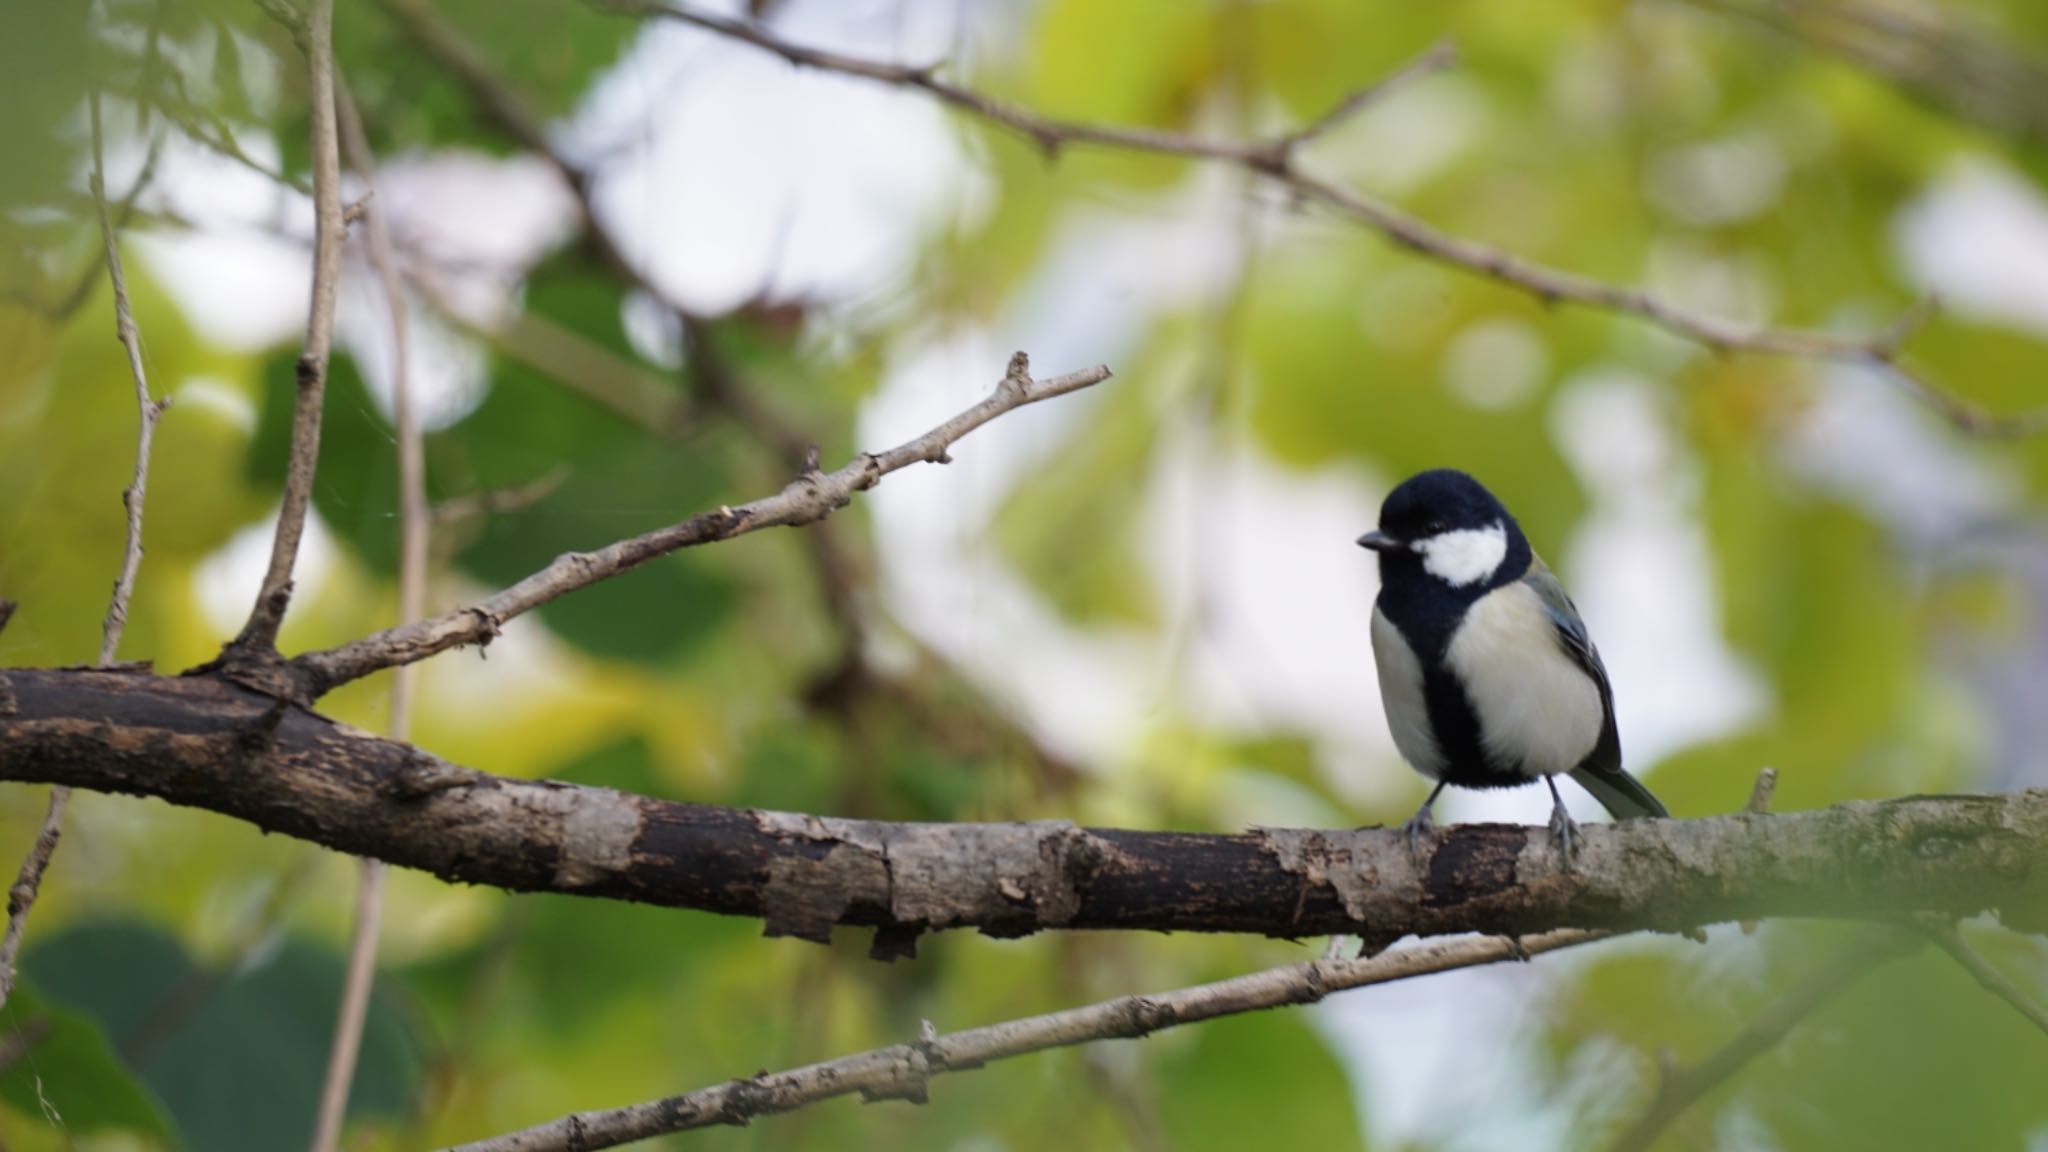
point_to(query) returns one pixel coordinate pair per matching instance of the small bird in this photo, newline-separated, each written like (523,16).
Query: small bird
(1486,671)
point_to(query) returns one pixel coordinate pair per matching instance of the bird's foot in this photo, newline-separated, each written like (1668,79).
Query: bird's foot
(1420,828)
(1564,832)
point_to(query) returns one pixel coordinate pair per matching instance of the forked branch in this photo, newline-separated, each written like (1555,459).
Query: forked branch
(808,498)
(905,1071)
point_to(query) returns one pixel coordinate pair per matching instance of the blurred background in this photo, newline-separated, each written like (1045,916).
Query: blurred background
(1137,606)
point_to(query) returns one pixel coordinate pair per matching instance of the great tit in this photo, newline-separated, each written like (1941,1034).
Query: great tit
(1486,671)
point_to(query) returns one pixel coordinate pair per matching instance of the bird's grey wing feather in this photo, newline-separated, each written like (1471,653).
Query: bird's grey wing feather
(1602,774)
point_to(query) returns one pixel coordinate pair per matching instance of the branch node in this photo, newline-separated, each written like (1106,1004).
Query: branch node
(1760,793)
(1759,804)
(488,628)
(1016,383)
(1886,345)
(255,740)
(422,775)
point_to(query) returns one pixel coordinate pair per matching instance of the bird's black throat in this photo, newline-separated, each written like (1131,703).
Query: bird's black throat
(1427,612)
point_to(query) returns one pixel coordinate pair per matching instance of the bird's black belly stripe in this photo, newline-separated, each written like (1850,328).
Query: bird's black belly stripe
(1456,726)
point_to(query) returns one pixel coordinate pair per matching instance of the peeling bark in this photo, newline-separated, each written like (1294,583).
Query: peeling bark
(203,742)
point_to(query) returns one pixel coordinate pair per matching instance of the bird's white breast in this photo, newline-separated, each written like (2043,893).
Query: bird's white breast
(1534,703)
(1402,696)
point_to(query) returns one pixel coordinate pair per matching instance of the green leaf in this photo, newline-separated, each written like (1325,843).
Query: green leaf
(621,480)
(70,1069)
(1261,1080)
(237,1059)
(355,488)
(546,52)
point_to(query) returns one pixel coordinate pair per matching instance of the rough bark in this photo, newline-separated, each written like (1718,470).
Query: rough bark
(202,742)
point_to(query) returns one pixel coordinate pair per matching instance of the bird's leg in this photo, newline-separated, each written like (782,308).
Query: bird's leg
(1420,825)
(1562,829)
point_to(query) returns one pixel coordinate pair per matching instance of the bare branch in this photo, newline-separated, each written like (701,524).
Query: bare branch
(151,411)
(806,499)
(28,879)
(355,1007)
(414,518)
(716,384)
(258,637)
(1995,982)
(1274,160)
(905,1071)
(202,741)
(1678,1090)
(1441,57)
(28,882)
(457,509)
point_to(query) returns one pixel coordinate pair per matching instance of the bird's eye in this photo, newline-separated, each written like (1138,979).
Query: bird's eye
(1435,528)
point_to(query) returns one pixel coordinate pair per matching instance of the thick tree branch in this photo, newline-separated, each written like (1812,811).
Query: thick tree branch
(810,497)
(258,638)
(200,741)
(1681,1089)
(905,1071)
(1276,160)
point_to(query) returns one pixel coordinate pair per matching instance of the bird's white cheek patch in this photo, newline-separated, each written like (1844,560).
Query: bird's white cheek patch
(1465,556)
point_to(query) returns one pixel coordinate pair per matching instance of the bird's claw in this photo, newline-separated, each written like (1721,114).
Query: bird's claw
(1565,833)
(1420,827)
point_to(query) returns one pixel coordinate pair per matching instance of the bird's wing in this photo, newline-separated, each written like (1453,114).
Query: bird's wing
(1602,773)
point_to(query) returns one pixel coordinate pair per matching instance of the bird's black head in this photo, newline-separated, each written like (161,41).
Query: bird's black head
(1445,527)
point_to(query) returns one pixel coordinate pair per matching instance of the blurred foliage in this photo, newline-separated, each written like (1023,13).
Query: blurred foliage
(1736,169)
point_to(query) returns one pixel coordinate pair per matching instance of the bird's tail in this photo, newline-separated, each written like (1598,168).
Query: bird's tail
(1621,794)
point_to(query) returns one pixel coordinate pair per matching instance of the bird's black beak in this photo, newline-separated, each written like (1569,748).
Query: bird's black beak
(1381,542)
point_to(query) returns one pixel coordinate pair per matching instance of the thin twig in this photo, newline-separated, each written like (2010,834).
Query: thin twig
(905,1071)
(1995,982)
(28,880)
(1679,1089)
(412,583)
(1275,160)
(806,499)
(27,883)
(1441,57)
(716,383)
(355,1006)
(1761,792)
(496,501)
(259,636)
(151,411)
